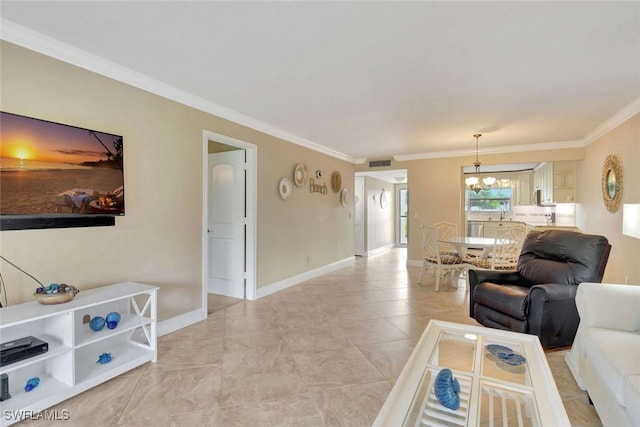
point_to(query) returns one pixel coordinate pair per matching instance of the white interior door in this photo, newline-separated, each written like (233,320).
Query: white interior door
(226,223)
(359,219)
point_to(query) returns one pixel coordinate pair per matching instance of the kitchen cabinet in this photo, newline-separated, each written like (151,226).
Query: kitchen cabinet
(556,181)
(492,228)
(564,182)
(523,188)
(543,180)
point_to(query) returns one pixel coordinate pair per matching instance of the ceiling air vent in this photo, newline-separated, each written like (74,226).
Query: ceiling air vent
(379,163)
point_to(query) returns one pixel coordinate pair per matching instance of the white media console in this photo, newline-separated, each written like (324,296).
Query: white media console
(70,365)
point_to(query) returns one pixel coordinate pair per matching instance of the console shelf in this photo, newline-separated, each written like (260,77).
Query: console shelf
(70,365)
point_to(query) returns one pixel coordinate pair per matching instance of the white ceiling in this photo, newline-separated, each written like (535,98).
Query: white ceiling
(364,79)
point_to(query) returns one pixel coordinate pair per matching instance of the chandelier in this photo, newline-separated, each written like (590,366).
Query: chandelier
(475,183)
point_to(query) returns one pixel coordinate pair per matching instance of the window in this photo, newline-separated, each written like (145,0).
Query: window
(491,200)
(404,223)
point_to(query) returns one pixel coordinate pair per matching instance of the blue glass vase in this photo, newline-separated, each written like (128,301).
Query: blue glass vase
(97,323)
(113,319)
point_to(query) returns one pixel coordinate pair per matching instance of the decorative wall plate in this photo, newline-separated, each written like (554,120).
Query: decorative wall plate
(300,175)
(344,197)
(286,188)
(336,181)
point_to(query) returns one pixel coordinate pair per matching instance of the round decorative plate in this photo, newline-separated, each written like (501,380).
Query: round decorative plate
(513,359)
(299,175)
(497,349)
(286,188)
(344,197)
(336,181)
(383,199)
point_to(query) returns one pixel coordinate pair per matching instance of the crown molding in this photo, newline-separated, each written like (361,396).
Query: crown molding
(614,121)
(51,47)
(48,46)
(495,150)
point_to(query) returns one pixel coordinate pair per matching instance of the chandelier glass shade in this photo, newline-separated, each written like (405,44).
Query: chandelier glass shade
(475,183)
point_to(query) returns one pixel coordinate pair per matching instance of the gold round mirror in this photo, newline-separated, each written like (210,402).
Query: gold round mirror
(612,183)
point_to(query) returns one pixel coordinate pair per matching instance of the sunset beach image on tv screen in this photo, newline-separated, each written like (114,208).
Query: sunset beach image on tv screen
(51,168)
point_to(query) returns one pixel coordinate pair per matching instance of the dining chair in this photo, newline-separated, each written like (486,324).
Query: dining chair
(433,258)
(504,254)
(447,231)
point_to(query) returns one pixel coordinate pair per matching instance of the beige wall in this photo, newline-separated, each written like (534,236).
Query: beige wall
(592,215)
(379,222)
(159,241)
(309,230)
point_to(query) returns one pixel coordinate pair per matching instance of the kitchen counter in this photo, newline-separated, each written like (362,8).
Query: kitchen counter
(489,228)
(551,226)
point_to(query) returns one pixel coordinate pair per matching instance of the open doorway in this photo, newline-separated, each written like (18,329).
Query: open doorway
(229,218)
(379,222)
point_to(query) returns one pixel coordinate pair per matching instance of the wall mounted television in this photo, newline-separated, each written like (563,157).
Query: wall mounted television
(54,175)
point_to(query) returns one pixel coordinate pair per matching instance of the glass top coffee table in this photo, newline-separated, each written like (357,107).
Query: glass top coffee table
(504,380)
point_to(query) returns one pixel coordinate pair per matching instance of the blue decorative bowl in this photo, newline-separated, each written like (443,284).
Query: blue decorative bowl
(97,323)
(113,319)
(506,355)
(447,390)
(497,349)
(513,359)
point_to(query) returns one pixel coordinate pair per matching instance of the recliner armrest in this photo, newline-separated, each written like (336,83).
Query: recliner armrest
(609,306)
(554,292)
(493,276)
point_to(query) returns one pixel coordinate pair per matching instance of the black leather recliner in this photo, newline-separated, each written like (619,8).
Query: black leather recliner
(539,297)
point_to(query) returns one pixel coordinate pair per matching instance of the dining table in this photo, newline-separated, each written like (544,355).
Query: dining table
(464,243)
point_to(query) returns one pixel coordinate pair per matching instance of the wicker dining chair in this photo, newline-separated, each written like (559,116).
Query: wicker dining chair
(433,258)
(504,255)
(447,231)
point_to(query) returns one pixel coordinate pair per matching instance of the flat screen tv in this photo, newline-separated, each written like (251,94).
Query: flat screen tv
(54,175)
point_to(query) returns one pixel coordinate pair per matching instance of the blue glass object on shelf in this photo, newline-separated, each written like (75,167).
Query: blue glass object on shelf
(113,319)
(104,358)
(496,349)
(513,359)
(447,390)
(506,355)
(97,323)
(31,384)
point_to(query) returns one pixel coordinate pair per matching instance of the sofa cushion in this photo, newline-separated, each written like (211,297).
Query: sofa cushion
(614,355)
(508,299)
(631,398)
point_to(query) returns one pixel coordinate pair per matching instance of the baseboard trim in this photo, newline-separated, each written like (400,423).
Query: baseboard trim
(380,250)
(181,321)
(414,263)
(294,280)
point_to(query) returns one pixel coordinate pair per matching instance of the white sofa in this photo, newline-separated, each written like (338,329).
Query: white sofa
(605,357)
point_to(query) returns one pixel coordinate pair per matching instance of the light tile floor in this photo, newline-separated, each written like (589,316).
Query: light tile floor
(323,353)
